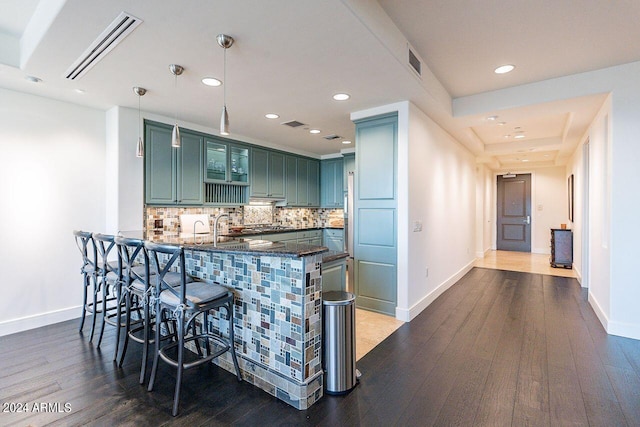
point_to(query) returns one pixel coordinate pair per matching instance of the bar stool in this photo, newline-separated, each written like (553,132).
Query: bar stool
(184,304)
(109,280)
(87,246)
(137,292)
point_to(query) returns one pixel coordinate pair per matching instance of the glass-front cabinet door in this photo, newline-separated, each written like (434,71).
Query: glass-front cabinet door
(216,162)
(239,164)
(226,163)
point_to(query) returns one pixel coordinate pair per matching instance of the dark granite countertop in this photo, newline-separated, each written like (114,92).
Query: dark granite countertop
(330,256)
(256,232)
(204,242)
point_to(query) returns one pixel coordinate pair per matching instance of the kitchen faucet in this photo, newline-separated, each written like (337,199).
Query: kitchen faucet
(194,232)
(215,226)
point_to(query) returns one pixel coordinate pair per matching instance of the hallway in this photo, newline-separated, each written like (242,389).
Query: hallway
(524,262)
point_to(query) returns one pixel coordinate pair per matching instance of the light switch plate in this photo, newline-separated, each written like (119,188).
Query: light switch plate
(417,226)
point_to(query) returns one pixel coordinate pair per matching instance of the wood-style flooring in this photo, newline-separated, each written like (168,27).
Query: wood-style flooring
(498,348)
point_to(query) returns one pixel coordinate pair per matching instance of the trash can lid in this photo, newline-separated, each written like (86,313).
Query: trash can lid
(337,298)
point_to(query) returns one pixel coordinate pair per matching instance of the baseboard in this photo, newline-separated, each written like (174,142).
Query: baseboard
(626,330)
(407,314)
(599,312)
(38,320)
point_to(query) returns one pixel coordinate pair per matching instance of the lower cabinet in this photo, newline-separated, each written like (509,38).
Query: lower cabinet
(333,239)
(334,275)
(307,237)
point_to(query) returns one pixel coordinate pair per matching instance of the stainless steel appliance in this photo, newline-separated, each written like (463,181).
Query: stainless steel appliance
(348,232)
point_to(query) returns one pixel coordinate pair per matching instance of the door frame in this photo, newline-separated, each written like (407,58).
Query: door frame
(494,207)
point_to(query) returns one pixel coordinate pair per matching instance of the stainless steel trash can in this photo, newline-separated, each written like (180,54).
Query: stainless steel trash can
(339,341)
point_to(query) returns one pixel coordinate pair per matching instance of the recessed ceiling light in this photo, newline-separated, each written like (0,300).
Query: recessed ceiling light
(271,116)
(519,136)
(314,131)
(33,79)
(80,91)
(502,123)
(503,69)
(507,136)
(210,81)
(346,142)
(525,160)
(341,96)
(492,118)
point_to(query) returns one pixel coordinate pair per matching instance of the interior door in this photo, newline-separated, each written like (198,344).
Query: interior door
(514,213)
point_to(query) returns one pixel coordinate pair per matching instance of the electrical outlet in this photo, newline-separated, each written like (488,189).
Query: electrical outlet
(426,272)
(157,223)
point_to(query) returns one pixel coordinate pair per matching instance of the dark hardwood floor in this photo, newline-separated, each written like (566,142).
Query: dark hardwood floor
(498,348)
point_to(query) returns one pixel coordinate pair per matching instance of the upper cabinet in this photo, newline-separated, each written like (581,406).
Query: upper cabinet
(267,174)
(172,175)
(307,183)
(331,183)
(226,162)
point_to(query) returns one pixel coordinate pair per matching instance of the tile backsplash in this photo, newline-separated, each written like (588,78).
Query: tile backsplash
(244,215)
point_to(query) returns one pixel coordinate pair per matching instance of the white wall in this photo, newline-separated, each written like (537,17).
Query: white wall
(442,195)
(53,181)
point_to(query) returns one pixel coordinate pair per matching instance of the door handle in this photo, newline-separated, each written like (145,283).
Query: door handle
(528,220)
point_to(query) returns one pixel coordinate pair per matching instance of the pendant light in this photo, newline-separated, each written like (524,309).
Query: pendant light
(140,91)
(225,42)
(176,70)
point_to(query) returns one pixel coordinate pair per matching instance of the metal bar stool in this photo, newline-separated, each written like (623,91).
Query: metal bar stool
(184,304)
(87,246)
(109,279)
(137,294)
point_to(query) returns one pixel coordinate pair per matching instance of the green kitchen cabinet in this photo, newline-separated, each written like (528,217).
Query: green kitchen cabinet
(331,183)
(333,238)
(291,180)
(172,175)
(267,173)
(225,162)
(308,183)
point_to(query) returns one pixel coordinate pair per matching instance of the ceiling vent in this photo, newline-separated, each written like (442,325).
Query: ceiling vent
(331,137)
(415,63)
(293,124)
(120,28)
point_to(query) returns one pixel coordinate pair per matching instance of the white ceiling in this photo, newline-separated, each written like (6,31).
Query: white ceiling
(291,57)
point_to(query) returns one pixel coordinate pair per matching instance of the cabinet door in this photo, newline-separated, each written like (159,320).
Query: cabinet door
(239,164)
(303,182)
(160,165)
(189,171)
(291,180)
(276,183)
(331,183)
(216,161)
(259,172)
(313,183)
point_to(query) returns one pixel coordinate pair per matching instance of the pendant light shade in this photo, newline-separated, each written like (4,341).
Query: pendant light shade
(176,70)
(225,42)
(175,136)
(224,121)
(140,91)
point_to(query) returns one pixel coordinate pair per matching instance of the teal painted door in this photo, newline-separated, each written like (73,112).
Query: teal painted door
(375,219)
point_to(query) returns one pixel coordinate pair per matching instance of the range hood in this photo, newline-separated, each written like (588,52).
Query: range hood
(266,201)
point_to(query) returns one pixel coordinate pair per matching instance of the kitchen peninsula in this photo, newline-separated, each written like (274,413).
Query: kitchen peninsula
(278,303)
